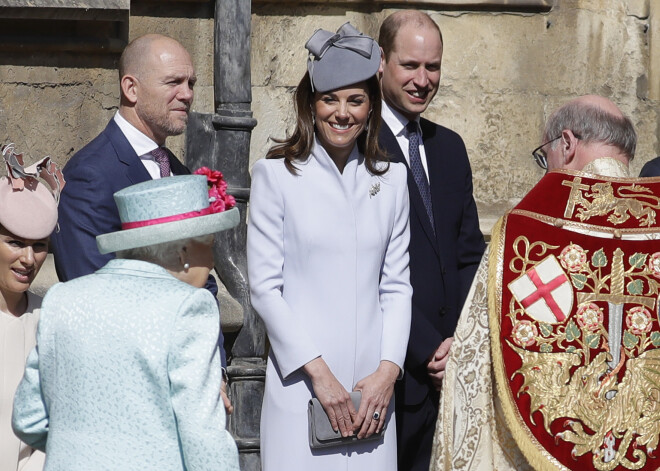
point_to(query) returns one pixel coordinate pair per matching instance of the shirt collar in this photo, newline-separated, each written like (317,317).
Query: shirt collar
(395,120)
(139,141)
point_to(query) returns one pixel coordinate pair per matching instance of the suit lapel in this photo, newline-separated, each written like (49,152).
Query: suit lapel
(177,167)
(437,171)
(391,144)
(135,170)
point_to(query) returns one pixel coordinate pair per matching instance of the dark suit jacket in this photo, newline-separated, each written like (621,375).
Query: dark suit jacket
(443,265)
(104,166)
(651,168)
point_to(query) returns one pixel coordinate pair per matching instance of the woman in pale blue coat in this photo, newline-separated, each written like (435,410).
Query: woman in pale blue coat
(126,374)
(328,265)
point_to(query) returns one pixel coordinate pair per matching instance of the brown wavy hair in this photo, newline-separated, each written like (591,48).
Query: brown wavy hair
(298,146)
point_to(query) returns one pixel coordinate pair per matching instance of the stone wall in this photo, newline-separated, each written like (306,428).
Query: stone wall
(505,68)
(506,65)
(54,102)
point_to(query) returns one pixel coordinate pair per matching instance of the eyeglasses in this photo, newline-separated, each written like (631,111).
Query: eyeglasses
(539,155)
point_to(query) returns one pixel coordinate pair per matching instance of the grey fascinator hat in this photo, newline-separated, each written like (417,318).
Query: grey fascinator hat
(342,58)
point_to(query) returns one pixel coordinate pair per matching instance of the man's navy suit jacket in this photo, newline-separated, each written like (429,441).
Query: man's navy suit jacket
(442,265)
(104,166)
(87,208)
(651,168)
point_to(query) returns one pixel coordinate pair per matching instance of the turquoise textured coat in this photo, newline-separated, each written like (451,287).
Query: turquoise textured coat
(126,375)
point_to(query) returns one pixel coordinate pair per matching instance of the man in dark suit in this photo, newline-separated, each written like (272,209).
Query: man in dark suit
(156,82)
(156,86)
(651,168)
(446,244)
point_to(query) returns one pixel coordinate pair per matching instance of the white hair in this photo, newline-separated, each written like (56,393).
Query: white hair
(165,254)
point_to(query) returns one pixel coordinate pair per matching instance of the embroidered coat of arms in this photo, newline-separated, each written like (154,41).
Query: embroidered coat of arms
(575,326)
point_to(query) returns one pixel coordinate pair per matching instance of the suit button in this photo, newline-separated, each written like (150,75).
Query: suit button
(443,311)
(444,271)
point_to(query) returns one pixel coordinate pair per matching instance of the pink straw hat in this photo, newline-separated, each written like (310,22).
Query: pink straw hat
(28,209)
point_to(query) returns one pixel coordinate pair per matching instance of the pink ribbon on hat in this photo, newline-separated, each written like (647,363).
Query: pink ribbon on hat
(176,217)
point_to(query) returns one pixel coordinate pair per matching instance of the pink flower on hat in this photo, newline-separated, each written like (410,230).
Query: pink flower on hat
(219,200)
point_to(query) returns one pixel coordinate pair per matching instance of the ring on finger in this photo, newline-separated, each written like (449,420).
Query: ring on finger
(376,415)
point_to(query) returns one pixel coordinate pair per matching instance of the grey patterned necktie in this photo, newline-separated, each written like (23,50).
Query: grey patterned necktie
(417,169)
(162,158)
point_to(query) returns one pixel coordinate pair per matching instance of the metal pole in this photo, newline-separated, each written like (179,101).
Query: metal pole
(222,141)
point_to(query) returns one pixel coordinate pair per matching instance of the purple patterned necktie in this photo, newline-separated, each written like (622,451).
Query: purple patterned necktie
(418,170)
(162,158)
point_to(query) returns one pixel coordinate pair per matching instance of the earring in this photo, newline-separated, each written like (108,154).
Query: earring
(186,266)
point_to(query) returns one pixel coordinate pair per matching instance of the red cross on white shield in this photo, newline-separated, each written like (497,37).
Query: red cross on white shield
(544,291)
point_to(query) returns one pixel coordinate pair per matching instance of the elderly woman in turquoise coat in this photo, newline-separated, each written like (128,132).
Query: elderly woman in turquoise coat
(328,265)
(126,373)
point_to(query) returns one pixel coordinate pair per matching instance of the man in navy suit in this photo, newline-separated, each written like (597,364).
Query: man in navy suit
(651,168)
(156,85)
(446,244)
(156,82)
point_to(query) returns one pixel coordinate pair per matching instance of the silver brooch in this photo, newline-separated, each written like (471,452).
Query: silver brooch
(375,188)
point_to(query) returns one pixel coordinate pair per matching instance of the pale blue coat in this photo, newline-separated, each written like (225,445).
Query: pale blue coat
(126,375)
(328,269)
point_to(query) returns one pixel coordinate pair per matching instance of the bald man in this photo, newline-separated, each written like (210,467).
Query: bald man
(584,133)
(549,297)
(156,79)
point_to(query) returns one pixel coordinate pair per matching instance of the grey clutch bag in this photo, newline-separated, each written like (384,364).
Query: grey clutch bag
(321,434)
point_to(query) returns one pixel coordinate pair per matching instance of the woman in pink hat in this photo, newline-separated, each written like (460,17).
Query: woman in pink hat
(28,214)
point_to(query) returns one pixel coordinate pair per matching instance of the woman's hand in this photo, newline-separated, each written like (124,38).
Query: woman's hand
(332,395)
(377,390)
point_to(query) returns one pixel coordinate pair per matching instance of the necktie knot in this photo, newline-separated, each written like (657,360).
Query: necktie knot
(162,158)
(412,127)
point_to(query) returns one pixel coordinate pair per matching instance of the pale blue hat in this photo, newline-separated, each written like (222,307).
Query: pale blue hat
(340,59)
(164,210)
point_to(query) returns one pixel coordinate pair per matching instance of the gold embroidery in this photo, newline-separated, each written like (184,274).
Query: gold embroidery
(575,196)
(519,264)
(605,416)
(633,410)
(630,200)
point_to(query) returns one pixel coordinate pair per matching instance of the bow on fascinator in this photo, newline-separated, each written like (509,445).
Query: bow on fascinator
(346,37)
(19,175)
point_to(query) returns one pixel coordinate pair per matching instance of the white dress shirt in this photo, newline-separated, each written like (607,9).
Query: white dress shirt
(141,144)
(397,123)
